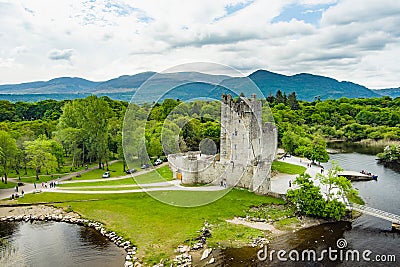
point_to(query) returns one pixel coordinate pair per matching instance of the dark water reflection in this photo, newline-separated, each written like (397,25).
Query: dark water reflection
(55,244)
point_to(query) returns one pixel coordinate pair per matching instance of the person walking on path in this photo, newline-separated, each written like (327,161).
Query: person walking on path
(290,183)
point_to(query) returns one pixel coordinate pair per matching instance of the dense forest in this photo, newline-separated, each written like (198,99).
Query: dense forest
(48,134)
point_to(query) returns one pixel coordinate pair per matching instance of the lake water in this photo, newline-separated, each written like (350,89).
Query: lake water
(365,233)
(55,244)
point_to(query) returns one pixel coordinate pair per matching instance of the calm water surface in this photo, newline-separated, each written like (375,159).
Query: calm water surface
(366,232)
(55,244)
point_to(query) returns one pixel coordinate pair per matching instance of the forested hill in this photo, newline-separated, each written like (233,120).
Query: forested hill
(392,92)
(307,86)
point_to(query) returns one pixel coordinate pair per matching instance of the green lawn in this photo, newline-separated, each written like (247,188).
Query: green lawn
(157,228)
(150,177)
(106,182)
(116,169)
(104,188)
(284,167)
(159,175)
(271,212)
(112,188)
(7,185)
(41,179)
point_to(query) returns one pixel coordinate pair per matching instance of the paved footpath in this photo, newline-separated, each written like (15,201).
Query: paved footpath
(173,185)
(29,188)
(280,183)
(158,186)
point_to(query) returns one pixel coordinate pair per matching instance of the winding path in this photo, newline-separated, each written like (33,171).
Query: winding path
(279,183)
(173,185)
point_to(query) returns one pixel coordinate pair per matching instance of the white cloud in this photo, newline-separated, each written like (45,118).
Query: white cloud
(356,40)
(64,54)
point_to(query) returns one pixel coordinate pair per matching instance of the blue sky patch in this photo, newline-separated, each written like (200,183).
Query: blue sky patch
(233,8)
(230,9)
(308,13)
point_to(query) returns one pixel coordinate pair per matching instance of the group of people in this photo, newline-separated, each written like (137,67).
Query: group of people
(52,184)
(46,185)
(16,195)
(365,172)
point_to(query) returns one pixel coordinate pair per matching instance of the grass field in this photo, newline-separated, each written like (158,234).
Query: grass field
(150,177)
(111,188)
(7,185)
(157,228)
(284,167)
(43,178)
(116,169)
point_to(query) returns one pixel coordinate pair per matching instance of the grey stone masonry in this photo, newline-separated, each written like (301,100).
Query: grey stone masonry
(247,149)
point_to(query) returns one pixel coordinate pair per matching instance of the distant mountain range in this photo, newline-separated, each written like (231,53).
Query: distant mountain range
(186,85)
(392,92)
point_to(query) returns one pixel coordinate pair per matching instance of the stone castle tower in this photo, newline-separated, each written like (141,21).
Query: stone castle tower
(247,149)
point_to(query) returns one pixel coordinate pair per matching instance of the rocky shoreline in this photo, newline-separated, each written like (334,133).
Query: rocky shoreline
(46,213)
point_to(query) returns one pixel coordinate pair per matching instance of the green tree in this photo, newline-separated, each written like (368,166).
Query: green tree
(280,97)
(307,198)
(292,101)
(337,186)
(334,209)
(90,115)
(390,154)
(289,142)
(8,150)
(71,140)
(316,150)
(40,156)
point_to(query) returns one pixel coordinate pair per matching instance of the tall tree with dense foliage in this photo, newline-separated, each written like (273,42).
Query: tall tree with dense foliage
(40,156)
(316,151)
(90,115)
(307,198)
(8,150)
(310,201)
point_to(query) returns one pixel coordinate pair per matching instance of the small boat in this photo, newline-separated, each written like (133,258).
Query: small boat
(371,175)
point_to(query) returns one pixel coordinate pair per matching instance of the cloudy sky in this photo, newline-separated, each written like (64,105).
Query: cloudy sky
(352,40)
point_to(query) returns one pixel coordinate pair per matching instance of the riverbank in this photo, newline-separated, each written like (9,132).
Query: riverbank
(48,213)
(157,229)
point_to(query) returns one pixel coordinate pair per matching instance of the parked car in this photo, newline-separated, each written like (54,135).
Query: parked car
(157,162)
(145,166)
(106,175)
(130,171)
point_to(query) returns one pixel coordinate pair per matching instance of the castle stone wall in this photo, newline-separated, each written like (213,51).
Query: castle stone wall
(247,149)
